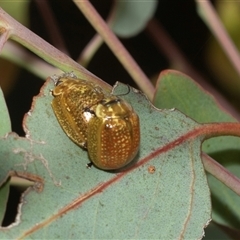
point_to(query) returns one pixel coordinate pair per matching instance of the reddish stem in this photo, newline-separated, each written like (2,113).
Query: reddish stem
(116,46)
(221,173)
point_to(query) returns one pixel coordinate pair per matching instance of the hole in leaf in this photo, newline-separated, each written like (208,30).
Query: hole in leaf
(11,192)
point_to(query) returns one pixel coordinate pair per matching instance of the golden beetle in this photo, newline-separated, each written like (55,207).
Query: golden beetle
(104,124)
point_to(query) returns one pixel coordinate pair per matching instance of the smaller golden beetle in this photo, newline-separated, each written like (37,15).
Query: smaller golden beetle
(104,124)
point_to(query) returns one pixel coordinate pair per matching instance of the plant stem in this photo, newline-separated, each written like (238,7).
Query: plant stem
(209,15)
(221,173)
(20,56)
(52,27)
(116,46)
(96,42)
(166,45)
(210,130)
(89,50)
(10,28)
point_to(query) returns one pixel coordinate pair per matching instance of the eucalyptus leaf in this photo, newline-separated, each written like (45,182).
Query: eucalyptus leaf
(131,17)
(177,90)
(71,201)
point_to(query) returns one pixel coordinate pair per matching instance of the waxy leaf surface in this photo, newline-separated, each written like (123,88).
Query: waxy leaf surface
(71,201)
(178,90)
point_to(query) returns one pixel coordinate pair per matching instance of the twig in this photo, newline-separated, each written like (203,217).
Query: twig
(209,15)
(51,25)
(116,46)
(10,28)
(221,173)
(176,58)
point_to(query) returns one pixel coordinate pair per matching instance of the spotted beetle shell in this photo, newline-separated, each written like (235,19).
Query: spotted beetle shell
(72,98)
(104,124)
(113,135)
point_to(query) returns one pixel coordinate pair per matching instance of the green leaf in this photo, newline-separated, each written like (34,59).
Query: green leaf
(5,123)
(4,193)
(214,232)
(176,90)
(75,202)
(131,17)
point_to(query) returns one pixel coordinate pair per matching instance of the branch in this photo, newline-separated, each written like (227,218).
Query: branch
(116,46)
(10,28)
(221,173)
